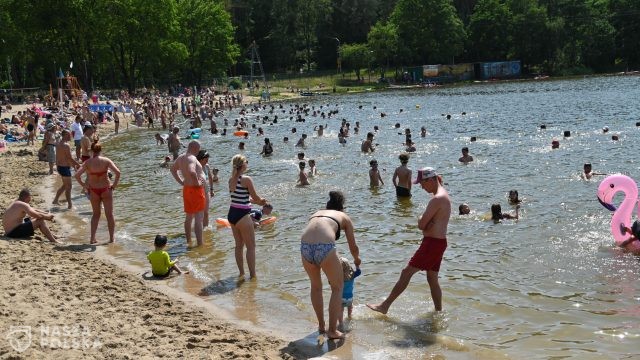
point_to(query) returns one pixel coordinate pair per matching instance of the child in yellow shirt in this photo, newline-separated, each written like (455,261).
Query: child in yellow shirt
(161,264)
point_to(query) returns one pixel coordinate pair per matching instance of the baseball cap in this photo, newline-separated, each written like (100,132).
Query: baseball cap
(425,173)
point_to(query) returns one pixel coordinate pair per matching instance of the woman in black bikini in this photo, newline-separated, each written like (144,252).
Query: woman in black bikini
(100,189)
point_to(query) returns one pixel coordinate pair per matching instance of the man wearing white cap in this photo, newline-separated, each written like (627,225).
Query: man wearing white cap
(433,223)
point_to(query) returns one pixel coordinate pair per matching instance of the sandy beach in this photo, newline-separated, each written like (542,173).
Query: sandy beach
(71,302)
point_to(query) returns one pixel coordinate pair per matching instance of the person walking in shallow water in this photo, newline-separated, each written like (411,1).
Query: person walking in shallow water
(187,171)
(243,193)
(318,250)
(433,223)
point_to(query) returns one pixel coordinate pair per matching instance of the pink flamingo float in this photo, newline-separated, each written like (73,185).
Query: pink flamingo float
(608,188)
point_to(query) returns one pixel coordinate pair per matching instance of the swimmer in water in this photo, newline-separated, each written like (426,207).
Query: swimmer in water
(402,177)
(166,163)
(367,145)
(302,176)
(159,139)
(464,209)
(312,168)
(634,231)
(588,172)
(375,179)
(513,197)
(497,214)
(465,158)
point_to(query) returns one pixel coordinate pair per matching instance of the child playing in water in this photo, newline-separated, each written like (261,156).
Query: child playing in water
(161,264)
(214,175)
(302,176)
(374,174)
(513,197)
(497,214)
(312,168)
(256,214)
(166,163)
(347,289)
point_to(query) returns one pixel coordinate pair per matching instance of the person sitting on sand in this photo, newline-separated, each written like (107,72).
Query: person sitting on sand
(161,264)
(497,214)
(465,158)
(375,179)
(17,223)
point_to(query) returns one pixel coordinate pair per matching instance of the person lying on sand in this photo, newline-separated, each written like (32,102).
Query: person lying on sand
(17,223)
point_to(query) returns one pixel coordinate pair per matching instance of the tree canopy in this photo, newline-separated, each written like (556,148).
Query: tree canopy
(134,43)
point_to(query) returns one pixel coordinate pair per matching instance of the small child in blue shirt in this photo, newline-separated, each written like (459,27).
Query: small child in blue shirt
(256,214)
(347,289)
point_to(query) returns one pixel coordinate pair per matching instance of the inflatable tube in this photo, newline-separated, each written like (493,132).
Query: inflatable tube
(195,136)
(196,130)
(267,221)
(621,219)
(240,133)
(223,222)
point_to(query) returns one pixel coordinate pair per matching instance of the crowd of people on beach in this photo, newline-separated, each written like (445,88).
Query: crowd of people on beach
(188,163)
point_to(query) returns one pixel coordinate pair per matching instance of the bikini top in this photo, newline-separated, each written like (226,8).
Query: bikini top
(329,217)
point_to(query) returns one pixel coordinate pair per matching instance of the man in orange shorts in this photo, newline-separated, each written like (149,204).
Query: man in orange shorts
(188,172)
(433,223)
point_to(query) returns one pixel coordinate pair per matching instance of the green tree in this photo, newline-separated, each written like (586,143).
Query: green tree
(533,36)
(355,57)
(207,34)
(382,41)
(138,33)
(430,30)
(625,21)
(490,30)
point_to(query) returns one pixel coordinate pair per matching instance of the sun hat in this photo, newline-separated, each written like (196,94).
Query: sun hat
(425,173)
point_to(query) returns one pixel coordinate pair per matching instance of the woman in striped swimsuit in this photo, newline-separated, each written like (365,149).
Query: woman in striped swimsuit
(240,188)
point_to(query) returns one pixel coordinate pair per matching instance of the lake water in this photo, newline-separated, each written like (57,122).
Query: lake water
(551,285)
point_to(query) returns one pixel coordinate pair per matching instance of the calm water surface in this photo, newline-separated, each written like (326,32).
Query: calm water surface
(551,285)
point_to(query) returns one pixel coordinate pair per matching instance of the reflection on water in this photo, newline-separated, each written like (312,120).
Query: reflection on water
(549,285)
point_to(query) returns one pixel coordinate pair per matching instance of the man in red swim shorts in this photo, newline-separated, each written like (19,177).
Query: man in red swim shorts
(188,172)
(433,223)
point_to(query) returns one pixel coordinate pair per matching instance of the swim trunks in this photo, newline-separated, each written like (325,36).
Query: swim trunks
(22,231)
(30,127)
(77,143)
(402,192)
(85,158)
(64,170)
(316,253)
(194,199)
(429,254)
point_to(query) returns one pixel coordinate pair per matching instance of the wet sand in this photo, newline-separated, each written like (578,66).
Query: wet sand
(78,304)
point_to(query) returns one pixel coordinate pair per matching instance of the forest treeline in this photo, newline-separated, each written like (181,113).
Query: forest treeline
(131,43)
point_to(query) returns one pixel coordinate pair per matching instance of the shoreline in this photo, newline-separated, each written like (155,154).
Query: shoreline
(119,312)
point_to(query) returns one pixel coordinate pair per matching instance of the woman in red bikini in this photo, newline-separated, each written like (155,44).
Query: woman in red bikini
(100,188)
